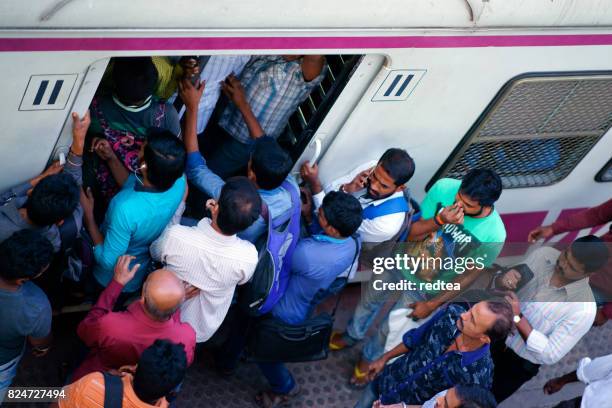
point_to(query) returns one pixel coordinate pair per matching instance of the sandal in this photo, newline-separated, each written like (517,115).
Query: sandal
(269,399)
(359,380)
(337,342)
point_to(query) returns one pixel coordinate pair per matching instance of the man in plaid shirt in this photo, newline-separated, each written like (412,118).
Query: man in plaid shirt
(274,86)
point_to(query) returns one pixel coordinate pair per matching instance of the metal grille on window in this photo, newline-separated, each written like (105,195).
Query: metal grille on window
(310,114)
(538,130)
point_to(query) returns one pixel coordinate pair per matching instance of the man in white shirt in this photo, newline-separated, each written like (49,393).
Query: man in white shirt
(379,187)
(596,374)
(215,70)
(210,257)
(373,183)
(556,308)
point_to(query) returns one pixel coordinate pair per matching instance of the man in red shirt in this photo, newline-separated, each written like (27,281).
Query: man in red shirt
(601,281)
(116,339)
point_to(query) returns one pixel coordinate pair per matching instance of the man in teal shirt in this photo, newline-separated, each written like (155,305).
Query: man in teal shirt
(138,214)
(458,216)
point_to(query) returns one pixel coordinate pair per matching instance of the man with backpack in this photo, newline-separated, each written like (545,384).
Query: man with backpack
(379,187)
(160,371)
(268,167)
(317,262)
(268,170)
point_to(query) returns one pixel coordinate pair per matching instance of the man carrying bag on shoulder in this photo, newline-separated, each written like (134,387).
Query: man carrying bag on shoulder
(289,333)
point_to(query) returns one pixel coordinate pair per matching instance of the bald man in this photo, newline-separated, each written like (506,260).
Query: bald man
(116,339)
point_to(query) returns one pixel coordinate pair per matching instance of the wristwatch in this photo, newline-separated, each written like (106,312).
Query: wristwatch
(517,318)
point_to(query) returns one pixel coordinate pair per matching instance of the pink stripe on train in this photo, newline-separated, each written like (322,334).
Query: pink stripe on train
(296,43)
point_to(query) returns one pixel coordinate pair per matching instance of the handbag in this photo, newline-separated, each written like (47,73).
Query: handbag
(272,340)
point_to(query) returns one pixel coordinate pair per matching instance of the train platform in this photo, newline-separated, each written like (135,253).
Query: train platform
(323,383)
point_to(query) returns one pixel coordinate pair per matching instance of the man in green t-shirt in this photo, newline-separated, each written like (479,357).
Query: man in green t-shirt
(459,216)
(458,222)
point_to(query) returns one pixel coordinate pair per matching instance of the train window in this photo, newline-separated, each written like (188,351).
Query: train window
(536,129)
(304,122)
(605,174)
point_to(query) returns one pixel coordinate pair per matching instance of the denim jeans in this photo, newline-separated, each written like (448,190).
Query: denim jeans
(367,309)
(279,377)
(8,371)
(369,305)
(231,157)
(368,396)
(375,346)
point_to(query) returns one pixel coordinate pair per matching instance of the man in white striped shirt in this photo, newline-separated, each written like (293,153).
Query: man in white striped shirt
(210,257)
(216,69)
(556,308)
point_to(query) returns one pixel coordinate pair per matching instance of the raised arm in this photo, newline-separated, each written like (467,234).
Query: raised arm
(106,153)
(191,96)
(232,88)
(312,65)
(197,170)
(88,329)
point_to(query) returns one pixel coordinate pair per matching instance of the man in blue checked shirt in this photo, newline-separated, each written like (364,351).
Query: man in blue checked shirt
(268,167)
(318,261)
(273,87)
(451,348)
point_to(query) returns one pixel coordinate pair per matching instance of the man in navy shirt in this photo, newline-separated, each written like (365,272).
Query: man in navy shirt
(449,349)
(317,261)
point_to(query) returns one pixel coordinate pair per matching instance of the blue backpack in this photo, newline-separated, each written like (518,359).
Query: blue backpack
(271,276)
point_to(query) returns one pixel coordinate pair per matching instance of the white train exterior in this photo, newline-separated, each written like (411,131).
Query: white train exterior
(523,85)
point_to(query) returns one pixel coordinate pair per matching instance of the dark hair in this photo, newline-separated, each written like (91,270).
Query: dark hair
(54,198)
(483,185)
(165,157)
(161,368)
(399,165)
(472,396)
(591,252)
(239,205)
(134,78)
(270,163)
(24,255)
(343,212)
(504,323)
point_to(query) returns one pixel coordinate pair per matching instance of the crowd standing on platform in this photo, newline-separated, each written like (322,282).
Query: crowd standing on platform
(177,216)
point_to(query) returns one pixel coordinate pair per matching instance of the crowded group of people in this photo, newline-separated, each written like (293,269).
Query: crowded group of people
(175,184)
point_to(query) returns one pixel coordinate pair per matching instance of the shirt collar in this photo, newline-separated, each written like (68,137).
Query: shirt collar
(573,291)
(205,227)
(327,238)
(576,290)
(470,357)
(370,201)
